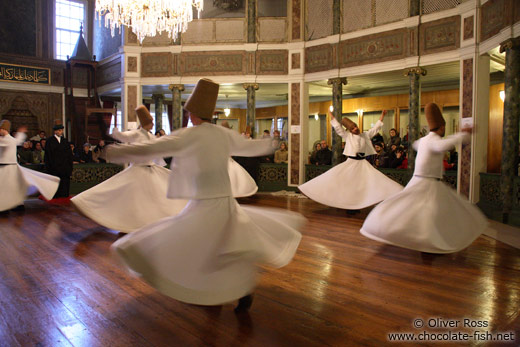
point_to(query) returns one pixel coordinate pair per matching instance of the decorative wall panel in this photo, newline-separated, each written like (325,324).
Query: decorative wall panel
(319,19)
(213,63)
(468,27)
(199,31)
(295,61)
(388,11)
(230,30)
(320,58)
(132,64)
(375,48)
(131,103)
(295,138)
(467,112)
(44,107)
(495,15)
(296,19)
(273,62)
(156,64)
(110,72)
(356,15)
(272,29)
(440,35)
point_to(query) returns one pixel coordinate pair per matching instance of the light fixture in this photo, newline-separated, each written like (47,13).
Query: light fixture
(227,112)
(148,17)
(502,95)
(331,108)
(316,117)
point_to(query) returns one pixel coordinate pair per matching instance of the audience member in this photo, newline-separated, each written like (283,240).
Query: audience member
(25,153)
(58,159)
(394,139)
(380,159)
(85,156)
(43,142)
(38,154)
(281,155)
(312,157)
(266,134)
(75,155)
(324,155)
(38,137)
(99,154)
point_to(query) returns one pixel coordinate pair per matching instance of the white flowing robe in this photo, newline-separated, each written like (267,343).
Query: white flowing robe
(354,184)
(208,254)
(428,215)
(17,181)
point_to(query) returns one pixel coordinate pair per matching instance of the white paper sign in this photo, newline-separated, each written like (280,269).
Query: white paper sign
(466,122)
(295,129)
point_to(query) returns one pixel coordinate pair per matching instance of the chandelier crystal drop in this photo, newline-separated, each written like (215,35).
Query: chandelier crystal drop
(148,17)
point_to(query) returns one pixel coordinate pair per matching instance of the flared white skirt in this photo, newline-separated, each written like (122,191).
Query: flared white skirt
(427,216)
(18,182)
(210,252)
(130,200)
(354,184)
(242,184)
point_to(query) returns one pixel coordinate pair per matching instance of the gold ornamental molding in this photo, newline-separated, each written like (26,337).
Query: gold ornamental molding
(255,86)
(510,44)
(338,80)
(179,87)
(24,74)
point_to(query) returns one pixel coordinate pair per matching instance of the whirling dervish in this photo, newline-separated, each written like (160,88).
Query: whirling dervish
(136,196)
(428,216)
(354,184)
(209,253)
(19,182)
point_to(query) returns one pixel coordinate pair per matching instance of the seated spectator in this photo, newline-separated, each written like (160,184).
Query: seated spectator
(38,154)
(157,133)
(400,160)
(445,162)
(99,154)
(394,139)
(25,153)
(266,134)
(75,155)
(380,159)
(85,156)
(324,155)
(42,143)
(281,155)
(377,139)
(312,157)
(38,137)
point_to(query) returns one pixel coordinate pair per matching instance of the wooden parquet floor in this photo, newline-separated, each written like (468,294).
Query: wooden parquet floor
(59,286)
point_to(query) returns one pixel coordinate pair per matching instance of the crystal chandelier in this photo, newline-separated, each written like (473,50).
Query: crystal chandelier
(148,17)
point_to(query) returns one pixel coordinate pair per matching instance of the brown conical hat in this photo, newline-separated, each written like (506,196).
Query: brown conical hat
(203,99)
(144,115)
(5,124)
(57,124)
(347,123)
(434,116)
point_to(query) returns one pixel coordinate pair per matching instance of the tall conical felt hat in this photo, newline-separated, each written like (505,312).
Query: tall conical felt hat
(144,115)
(57,125)
(347,123)
(5,124)
(203,99)
(434,116)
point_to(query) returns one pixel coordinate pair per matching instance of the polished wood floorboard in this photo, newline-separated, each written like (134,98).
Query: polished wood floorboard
(59,286)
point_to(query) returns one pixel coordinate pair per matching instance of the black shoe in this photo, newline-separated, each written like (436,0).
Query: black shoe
(244,303)
(353,212)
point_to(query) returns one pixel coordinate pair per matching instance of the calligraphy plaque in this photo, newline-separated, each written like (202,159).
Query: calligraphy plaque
(24,74)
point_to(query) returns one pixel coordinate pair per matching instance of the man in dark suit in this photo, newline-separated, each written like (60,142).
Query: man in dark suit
(58,159)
